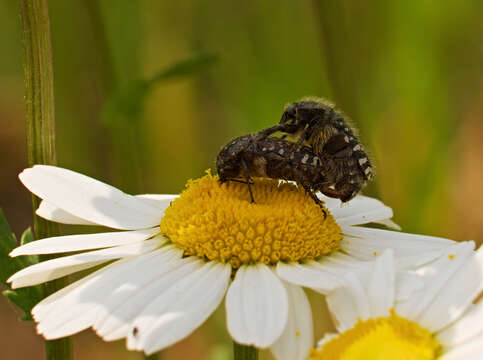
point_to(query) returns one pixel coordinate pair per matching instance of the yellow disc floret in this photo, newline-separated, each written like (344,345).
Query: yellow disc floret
(383,338)
(218,222)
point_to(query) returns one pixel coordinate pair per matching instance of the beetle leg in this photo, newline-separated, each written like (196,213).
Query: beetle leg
(269,131)
(315,198)
(242,181)
(247,177)
(300,141)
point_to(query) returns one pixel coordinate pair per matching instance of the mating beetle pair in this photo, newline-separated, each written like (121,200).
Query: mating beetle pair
(326,155)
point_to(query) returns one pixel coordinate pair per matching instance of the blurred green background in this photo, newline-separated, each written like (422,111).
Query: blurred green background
(409,73)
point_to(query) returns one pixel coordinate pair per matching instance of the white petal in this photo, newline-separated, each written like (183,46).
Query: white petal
(69,243)
(161,201)
(121,309)
(256,306)
(46,305)
(415,261)
(388,223)
(435,276)
(348,303)
(56,268)
(365,243)
(310,274)
(78,308)
(181,309)
(381,291)
(89,199)
(72,298)
(457,293)
(471,350)
(323,275)
(407,282)
(325,339)
(297,338)
(464,329)
(51,212)
(360,210)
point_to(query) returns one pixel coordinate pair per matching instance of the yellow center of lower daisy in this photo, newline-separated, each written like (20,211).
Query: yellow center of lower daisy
(218,222)
(391,337)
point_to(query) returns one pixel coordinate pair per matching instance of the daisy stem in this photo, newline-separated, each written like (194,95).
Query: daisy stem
(243,352)
(39,102)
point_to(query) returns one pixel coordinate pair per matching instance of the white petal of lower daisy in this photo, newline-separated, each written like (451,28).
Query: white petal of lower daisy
(416,261)
(297,338)
(256,306)
(457,293)
(407,283)
(59,267)
(381,289)
(348,303)
(364,243)
(89,199)
(435,276)
(464,329)
(181,309)
(360,210)
(470,350)
(78,308)
(114,321)
(51,212)
(69,243)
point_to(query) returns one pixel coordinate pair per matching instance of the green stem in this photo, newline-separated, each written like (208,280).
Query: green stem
(243,352)
(39,102)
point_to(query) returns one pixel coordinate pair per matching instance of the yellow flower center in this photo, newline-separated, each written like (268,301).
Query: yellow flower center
(383,338)
(218,222)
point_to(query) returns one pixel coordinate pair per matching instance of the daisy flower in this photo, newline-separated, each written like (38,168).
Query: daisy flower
(377,319)
(175,259)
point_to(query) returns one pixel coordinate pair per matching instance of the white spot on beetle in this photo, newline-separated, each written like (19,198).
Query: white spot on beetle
(357,147)
(362,161)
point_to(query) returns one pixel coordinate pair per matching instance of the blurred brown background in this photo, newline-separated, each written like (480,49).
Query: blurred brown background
(410,74)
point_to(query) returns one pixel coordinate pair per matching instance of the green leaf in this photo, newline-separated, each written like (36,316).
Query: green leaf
(6,235)
(126,104)
(24,298)
(8,242)
(28,236)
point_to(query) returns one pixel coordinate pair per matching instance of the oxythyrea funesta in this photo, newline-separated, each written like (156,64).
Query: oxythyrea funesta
(253,156)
